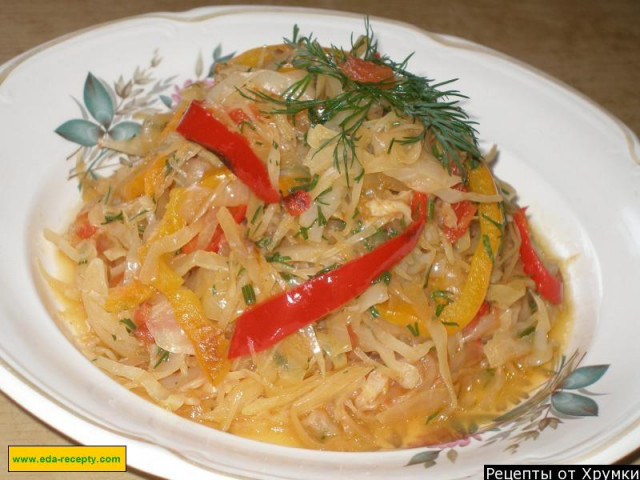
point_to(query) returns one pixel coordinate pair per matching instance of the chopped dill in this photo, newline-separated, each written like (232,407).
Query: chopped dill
(162,356)
(533,306)
(113,218)
(107,195)
(322,220)
(441,295)
(333,266)
(527,331)
(256,213)
(384,277)
(414,329)
(249,294)
(139,214)
(308,185)
(128,324)
(426,278)
(264,242)
(319,197)
(277,258)
(487,246)
(431,417)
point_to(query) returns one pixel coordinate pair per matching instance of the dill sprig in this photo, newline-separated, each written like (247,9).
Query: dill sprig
(407,94)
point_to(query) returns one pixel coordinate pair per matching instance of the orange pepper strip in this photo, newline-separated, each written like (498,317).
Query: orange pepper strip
(127,297)
(462,311)
(207,339)
(260,55)
(143,182)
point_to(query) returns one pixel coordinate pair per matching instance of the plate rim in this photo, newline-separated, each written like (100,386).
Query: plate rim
(607,453)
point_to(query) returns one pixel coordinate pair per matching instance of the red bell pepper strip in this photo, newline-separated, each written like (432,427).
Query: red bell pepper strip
(484,308)
(283,314)
(549,286)
(419,206)
(200,126)
(297,202)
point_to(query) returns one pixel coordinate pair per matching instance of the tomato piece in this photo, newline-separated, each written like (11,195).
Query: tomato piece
(365,71)
(83,229)
(419,205)
(297,202)
(217,239)
(465,211)
(238,213)
(353,337)
(102,243)
(140,318)
(238,115)
(116,279)
(190,247)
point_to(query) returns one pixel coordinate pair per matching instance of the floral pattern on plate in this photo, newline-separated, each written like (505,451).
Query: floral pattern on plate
(553,403)
(107,111)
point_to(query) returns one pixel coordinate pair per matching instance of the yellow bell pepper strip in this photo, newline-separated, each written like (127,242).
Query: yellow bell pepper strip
(200,125)
(260,55)
(127,297)
(283,314)
(463,310)
(171,221)
(155,176)
(401,313)
(549,285)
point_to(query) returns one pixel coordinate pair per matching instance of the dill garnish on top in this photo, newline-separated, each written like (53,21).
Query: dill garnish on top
(371,80)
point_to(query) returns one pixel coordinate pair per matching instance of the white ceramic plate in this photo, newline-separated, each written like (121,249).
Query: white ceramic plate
(573,163)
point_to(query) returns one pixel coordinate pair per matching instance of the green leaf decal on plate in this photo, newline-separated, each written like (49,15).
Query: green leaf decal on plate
(124,130)
(166,100)
(219,58)
(97,100)
(217,52)
(428,458)
(82,132)
(574,405)
(584,376)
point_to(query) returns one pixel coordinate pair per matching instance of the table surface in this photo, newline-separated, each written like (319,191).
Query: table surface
(592,46)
